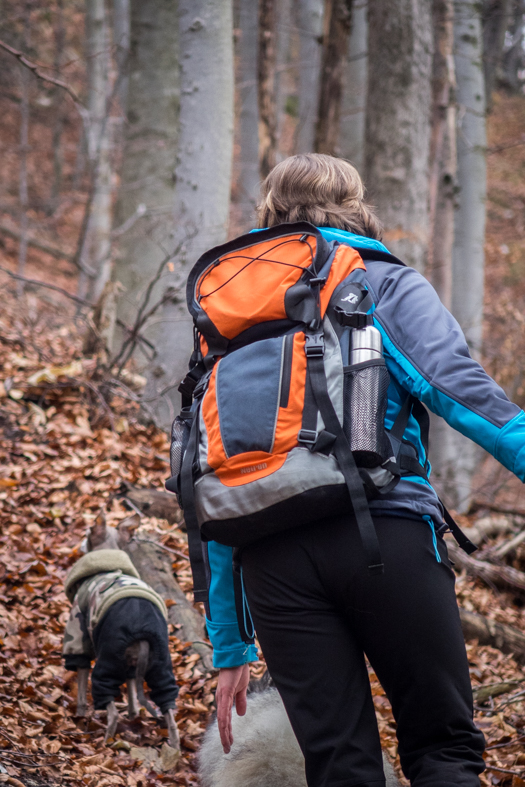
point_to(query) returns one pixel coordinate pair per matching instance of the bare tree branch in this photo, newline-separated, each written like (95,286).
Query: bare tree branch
(36,69)
(54,287)
(53,251)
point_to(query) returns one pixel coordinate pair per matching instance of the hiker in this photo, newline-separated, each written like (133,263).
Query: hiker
(323,594)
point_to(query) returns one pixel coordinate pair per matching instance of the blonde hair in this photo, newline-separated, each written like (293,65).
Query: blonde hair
(321,189)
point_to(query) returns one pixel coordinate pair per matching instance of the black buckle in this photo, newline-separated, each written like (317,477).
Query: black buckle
(307,436)
(201,386)
(354,319)
(314,345)
(316,281)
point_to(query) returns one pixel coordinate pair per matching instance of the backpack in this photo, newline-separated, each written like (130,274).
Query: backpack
(277,428)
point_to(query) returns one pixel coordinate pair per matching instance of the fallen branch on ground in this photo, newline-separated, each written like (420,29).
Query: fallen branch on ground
(152,502)
(504,577)
(484,693)
(154,567)
(497,635)
(478,505)
(53,251)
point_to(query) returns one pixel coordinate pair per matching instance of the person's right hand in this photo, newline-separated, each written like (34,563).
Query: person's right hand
(232,685)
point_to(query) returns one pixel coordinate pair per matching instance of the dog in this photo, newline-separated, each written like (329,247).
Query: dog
(265,752)
(120,621)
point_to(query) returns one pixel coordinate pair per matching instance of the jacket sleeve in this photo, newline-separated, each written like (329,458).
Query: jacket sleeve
(229,650)
(77,649)
(427,354)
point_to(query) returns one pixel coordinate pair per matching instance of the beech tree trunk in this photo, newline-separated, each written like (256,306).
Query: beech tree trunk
(96,246)
(469,225)
(248,124)
(282,54)
(397,123)
(496,18)
(355,77)
(443,186)
(121,32)
(266,87)
(59,34)
(309,20)
(337,26)
(513,55)
(149,159)
(202,175)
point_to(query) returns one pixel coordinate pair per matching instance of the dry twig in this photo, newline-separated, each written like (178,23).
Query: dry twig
(38,73)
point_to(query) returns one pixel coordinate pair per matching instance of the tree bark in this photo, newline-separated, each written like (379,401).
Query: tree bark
(469,224)
(121,33)
(154,566)
(282,54)
(149,158)
(203,173)
(443,186)
(96,245)
(513,55)
(497,635)
(24,149)
(337,26)
(496,19)
(248,125)
(266,87)
(309,19)
(59,34)
(397,124)
(443,154)
(504,577)
(353,103)
(152,502)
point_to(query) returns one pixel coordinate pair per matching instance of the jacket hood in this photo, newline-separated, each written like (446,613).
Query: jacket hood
(97,562)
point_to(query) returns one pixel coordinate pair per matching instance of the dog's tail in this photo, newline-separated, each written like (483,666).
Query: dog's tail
(142,668)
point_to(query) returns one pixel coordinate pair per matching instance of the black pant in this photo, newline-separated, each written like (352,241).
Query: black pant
(317,611)
(125,622)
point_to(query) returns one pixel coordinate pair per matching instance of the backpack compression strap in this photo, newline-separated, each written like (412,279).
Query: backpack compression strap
(314,348)
(198,567)
(410,466)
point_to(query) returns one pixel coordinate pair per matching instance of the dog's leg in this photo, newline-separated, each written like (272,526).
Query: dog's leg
(133,700)
(82,684)
(142,668)
(173,730)
(112,721)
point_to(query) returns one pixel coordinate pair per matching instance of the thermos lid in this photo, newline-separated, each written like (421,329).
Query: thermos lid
(368,338)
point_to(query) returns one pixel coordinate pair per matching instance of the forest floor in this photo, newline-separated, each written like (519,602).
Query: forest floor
(64,453)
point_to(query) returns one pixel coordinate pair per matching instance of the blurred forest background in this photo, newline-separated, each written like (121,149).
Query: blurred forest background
(133,136)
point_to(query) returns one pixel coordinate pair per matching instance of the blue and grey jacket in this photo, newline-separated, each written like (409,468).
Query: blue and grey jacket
(427,356)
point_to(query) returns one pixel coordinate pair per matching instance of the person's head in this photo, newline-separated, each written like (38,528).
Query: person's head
(324,190)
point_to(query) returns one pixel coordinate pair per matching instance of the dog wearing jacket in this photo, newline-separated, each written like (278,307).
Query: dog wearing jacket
(265,752)
(120,621)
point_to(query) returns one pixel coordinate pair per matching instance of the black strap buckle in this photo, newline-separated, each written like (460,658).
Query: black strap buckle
(201,386)
(317,281)
(353,319)
(307,436)
(314,345)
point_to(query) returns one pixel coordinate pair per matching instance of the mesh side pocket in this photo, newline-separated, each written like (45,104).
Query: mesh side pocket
(365,403)
(180,433)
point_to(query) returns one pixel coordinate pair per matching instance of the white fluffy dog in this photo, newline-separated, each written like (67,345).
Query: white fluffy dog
(265,752)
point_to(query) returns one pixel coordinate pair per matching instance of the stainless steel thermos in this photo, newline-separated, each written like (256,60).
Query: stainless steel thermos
(365,398)
(366,345)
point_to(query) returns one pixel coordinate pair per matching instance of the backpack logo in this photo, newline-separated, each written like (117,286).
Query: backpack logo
(351,298)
